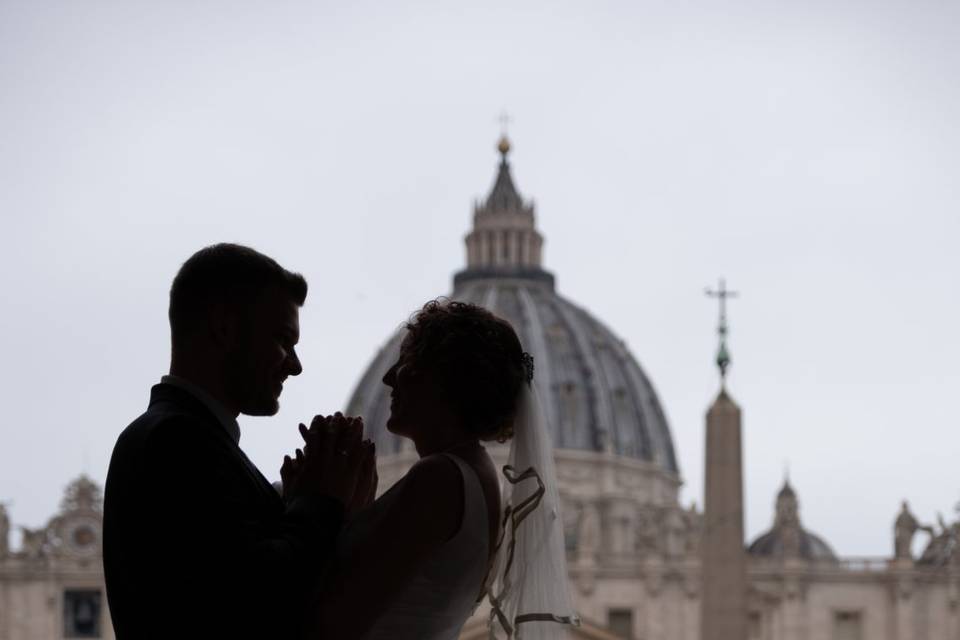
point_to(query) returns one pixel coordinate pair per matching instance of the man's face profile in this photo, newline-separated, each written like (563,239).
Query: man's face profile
(265,352)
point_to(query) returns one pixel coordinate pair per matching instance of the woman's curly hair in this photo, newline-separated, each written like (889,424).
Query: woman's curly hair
(477,360)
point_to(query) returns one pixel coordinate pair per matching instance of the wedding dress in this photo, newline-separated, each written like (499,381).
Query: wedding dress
(436,603)
(526,585)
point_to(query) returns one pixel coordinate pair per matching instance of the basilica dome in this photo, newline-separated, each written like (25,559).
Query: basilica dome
(596,396)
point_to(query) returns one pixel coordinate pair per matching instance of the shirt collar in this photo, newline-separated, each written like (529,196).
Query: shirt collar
(216,408)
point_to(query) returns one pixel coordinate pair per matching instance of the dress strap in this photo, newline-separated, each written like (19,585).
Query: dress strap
(470,506)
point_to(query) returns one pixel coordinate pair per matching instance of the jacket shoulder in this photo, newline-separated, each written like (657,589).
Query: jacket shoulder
(159,419)
(159,431)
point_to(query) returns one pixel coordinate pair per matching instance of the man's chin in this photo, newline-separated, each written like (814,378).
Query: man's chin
(264,409)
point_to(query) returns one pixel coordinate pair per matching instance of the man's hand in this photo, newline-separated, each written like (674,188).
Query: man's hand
(330,462)
(289,472)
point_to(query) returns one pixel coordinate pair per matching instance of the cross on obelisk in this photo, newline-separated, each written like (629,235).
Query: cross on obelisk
(723,354)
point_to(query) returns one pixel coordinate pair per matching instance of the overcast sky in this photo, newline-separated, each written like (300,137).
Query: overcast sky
(808,152)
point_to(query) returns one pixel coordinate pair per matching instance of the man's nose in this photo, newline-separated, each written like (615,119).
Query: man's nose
(294,363)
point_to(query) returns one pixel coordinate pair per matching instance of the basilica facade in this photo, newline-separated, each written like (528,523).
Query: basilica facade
(52,585)
(642,565)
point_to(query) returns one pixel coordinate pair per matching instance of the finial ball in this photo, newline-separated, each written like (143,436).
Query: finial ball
(504,145)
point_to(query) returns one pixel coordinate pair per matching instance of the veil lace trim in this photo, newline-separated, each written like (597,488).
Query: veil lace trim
(515,515)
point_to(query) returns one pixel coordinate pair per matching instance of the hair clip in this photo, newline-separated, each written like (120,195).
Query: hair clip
(527,361)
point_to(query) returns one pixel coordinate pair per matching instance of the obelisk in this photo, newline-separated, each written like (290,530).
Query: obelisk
(723,614)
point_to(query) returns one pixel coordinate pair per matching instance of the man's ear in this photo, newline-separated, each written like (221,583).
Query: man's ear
(224,325)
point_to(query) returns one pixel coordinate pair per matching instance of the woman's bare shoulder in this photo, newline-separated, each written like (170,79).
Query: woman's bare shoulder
(433,494)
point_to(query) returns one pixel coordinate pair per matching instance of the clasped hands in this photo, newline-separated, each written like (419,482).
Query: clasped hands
(335,461)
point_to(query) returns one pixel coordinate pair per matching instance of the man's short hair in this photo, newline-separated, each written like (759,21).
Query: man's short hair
(225,274)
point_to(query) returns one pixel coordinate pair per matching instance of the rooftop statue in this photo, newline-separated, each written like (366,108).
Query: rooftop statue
(905,527)
(944,547)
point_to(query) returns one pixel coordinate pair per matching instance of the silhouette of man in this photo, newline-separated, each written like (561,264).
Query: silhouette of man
(197,543)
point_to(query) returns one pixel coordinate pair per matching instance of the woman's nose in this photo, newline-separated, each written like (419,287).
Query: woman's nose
(390,377)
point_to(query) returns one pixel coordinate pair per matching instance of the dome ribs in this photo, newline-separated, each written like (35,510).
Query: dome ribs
(568,395)
(633,387)
(654,418)
(600,416)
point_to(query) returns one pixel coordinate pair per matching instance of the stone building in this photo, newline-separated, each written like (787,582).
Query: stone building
(52,586)
(641,565)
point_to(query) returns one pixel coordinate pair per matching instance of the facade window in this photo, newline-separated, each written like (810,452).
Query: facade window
(620,622)
(755,626)
(847,625)
(81,613)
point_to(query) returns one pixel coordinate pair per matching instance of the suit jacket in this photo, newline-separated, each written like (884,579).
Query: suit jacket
(196,542)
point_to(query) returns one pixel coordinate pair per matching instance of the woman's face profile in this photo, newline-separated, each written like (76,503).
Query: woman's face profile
(410,392)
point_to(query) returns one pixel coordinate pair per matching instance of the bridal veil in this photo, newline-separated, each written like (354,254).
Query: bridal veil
(528,594)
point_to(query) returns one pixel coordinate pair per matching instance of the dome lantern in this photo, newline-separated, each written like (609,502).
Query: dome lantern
(504,242)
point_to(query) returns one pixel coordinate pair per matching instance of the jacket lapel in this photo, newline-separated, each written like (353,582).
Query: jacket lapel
(186,402)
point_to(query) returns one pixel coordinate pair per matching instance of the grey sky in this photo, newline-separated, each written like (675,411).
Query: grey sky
(809,153)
